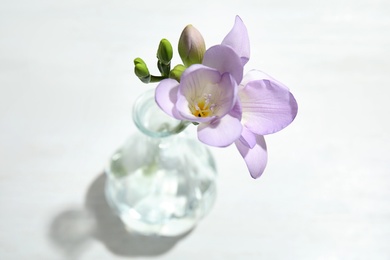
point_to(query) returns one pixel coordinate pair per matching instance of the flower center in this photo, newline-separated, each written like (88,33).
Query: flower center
(202,107)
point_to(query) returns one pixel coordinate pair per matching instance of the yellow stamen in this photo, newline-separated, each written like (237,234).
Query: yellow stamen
(202,108)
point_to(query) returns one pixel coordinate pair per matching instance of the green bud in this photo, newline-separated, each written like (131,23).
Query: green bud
(141,70)
(165,52)
(191,46)
(176,72)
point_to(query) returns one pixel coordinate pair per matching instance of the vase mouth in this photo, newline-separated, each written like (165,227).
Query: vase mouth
(151,120)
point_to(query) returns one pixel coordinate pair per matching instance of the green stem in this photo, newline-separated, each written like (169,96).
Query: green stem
(156,78)
(183,125)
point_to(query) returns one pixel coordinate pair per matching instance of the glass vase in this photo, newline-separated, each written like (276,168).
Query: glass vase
(161,181)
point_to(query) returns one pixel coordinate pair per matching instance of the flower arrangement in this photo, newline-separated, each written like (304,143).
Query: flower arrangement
(211,91)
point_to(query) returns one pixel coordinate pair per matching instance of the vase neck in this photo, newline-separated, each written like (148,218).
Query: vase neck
(152,121)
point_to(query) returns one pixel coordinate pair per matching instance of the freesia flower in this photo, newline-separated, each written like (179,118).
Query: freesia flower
(229,107)
(204,96)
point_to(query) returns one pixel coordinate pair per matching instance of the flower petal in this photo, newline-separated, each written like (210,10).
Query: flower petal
(238,39)
(220,133)
(248,138)
(192,68)
(255,158)
(166,97)
(225,95)
(236,110)
(258,75)
(199,78)
(224,59)
(267,106)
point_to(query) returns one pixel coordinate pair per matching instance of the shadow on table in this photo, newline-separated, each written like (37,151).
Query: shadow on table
(71,230)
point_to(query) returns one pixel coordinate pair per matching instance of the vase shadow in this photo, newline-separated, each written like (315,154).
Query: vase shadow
(71,231)
(110,230)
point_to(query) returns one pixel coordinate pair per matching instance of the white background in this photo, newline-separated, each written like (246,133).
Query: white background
(66,92)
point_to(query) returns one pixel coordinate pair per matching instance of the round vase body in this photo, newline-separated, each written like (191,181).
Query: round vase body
(161,181)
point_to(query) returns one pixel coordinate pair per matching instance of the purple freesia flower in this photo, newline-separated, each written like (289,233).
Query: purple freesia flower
(205,96)
(229,107)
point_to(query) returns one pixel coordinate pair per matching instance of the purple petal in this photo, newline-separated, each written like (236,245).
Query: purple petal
(192,68)
(221,132)
(197,79)
(238,39)
(166,97)
(258,75)
(267,106)
(255,158)
(224,59)
(225,93)
(248,138)
(236,110)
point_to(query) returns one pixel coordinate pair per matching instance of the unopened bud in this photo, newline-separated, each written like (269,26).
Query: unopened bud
(191,46)
(165,52)
(141,70)
(176,72)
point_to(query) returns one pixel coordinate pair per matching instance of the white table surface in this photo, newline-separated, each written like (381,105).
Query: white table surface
(66,92)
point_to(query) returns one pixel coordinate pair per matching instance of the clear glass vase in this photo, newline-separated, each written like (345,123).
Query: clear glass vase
(161,181)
